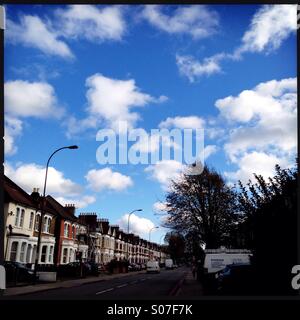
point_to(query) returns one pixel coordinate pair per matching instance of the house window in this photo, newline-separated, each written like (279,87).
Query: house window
(47,224)
(37,223)
(31,220)
(13,251)
(65,255)
(22,252)
(45,220)
(28,254)
(44,253)
(66,230)
(71,255)
(50,258)
(17,220)
(74,232)
(22,217)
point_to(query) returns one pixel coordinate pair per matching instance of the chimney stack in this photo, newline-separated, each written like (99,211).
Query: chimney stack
(35,194)
(70,208)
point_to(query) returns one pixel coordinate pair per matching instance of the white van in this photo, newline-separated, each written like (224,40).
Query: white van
(169,264)
(153,266)
(218,259)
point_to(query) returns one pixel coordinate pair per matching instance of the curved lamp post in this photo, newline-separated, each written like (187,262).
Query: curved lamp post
(42,209)
(150,237)
(129,215)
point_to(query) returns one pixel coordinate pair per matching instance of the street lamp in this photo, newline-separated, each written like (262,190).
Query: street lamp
(136,210)
(42,209)
(150,237)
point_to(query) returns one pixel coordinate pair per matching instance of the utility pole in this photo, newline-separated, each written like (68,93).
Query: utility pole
(2,218)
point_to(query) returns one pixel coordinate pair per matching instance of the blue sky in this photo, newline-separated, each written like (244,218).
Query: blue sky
(72,70)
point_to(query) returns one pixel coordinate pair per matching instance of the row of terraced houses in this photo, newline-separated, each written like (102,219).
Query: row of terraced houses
(64,236)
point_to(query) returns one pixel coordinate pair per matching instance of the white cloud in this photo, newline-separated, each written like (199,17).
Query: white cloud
(164,171)
(256,162)
(209,150)
(270,26)
(107,179)
(271,111)
(79,202)
(31,175)
(138,225)
(30,99)
(149,143)
(197,21)
(268,134)
(33,32)
(92,23)
(159,207)
(113,100)
(12,129)
(191,68)
(190,122)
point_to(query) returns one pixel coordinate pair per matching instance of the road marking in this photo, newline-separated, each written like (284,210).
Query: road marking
(133,282)
(122,285)
(107,290)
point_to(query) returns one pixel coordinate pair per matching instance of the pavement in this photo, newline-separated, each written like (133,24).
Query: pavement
(190,287)
(172,284)
(14,291)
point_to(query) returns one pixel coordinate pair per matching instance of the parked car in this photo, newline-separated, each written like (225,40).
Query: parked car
(235,279)
(73,269)
(18,272)
(153,266)
(94,269)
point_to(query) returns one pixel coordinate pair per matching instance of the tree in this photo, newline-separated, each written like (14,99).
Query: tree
(202,205)
(270,227)
(176,245)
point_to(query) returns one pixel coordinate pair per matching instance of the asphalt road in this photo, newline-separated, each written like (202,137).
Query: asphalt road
(131,287)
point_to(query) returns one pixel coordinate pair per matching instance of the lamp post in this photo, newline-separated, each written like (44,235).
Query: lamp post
(136,210)
(150,237)
(42,209)
(163,235)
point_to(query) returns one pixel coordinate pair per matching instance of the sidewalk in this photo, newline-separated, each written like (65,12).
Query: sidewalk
(190,287)
(63,284)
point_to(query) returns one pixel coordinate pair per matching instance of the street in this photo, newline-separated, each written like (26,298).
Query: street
(133,286)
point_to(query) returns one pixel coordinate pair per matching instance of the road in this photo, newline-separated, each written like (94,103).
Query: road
(134,286)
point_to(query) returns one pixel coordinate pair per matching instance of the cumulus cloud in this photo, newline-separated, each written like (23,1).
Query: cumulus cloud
(12,129)
(79,202)
(159,207)
(164,171)
(260,163)
(198,21)
(269,27)
(107,179)
(190,122)
(113,100)
(264,128)
(31,175)
(271,111)
(192,68)
(30,99)
(91,23)
(138,225)
(33,32)
(209,150)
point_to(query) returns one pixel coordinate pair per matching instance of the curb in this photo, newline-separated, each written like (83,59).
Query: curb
(62,287)
(178,286)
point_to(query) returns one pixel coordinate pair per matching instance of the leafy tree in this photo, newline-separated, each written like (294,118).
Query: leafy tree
(176,245)
(202,205)
(270,227)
